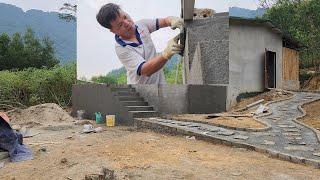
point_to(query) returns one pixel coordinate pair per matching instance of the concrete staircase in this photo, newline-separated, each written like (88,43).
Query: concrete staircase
(135,104)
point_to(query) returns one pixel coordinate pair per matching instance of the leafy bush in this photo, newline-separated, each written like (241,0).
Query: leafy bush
(34,86)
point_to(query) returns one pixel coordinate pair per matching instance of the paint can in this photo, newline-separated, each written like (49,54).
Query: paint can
(110,120)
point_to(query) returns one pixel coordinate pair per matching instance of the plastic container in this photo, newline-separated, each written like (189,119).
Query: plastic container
(98,118)
(110,120)
(80,114)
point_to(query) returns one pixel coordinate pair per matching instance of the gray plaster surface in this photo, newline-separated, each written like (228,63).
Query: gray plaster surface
(286,139)
(247,48)
(212,35)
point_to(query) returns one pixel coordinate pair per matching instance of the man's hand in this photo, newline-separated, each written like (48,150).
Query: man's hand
(172,48)
(175,22)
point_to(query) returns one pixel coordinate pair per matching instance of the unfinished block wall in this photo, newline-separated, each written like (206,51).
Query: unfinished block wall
(209,63)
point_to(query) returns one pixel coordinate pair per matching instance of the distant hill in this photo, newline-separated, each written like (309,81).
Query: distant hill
(13,19)
(246,13)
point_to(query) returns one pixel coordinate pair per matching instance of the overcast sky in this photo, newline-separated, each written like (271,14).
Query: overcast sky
(95,45)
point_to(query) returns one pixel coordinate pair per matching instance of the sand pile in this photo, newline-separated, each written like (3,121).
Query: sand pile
(43,114)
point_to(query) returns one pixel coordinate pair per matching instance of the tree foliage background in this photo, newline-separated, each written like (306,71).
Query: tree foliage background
(301,19)
(24,51)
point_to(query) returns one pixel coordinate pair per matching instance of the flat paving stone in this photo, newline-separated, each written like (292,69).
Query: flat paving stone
(296,142)
(241,137)
(203,128)
(267,142)
(284,137)
(193,125)
(286,126)
(291,130)
(226,133)
(317,154)
(205,132)
(298,148)
(181,124)
(291,134)
(294,138)
(214,129)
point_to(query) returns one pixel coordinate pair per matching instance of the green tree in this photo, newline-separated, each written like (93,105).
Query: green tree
(4,45)
(301,19)
(20,52)
(105,79)
(15,54)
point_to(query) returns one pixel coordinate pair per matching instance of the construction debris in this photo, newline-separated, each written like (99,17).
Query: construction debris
(106,174)
(261,109)
(228,115)
(255,103)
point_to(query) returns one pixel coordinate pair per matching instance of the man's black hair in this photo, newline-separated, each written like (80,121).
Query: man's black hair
(108,13)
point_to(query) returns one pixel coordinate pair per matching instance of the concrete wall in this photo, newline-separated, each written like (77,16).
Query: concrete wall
(180,99)
(212,35)
(247,53)
(98,98)
(166,99)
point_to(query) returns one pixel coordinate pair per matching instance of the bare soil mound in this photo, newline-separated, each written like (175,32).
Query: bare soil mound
(272,95)
(312,117)
(43,114)
(313,83)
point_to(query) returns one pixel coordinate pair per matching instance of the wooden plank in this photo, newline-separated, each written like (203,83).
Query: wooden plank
(290,64)
(187,9)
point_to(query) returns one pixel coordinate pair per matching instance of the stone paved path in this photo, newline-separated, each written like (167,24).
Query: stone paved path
(285,137)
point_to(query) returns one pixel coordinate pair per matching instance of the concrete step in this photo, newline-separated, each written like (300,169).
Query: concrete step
(134,103)
(127,93)
(140,108)
(123,89)
(129,98)
(144,114)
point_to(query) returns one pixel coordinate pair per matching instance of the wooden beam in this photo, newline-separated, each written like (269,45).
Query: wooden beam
(187,7)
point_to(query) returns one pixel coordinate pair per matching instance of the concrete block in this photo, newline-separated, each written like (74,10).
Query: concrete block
(206,99)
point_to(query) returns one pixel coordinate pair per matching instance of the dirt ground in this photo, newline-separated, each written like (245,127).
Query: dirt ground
(240,122)
(143,155)
(272,95)
(313,115)
(312,84)
(62,152)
